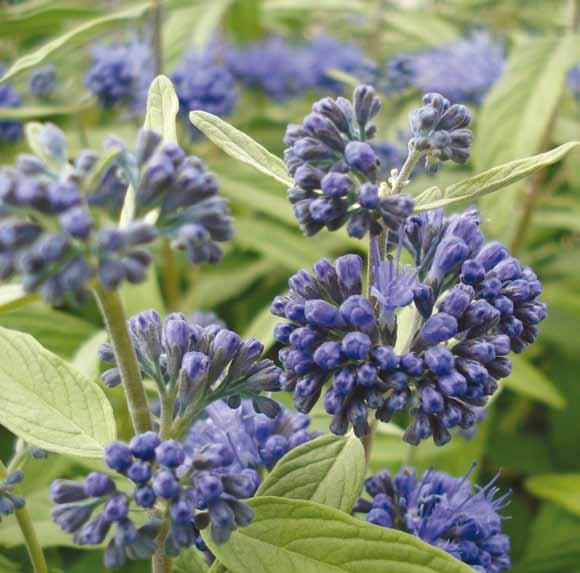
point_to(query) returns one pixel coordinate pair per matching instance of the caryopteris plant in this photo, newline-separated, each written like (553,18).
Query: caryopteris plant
(215,469)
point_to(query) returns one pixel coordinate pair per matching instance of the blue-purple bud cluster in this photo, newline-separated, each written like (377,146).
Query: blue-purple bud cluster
(283,70)
(444,511)
(42,82)
(335,169)
(196,495)
(10,501)
(191,211)
(464,70)
(204,83)
(120,73)
(475,304)
(10,129)
(440,131)
(206,363)
(51,238)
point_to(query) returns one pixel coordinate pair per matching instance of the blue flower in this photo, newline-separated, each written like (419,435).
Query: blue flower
(281,69)
(444,511)
(573,80)
(120,74)
(393,286)
(335,169)
(329,54)
(203,362)
(42,82)
(203,83)
(10,130)
(462,71)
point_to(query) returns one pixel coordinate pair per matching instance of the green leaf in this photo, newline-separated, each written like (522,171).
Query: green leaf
(26,113)
(162,108)
(243,20)
(517,113)
(527,380)
(306,5)
(491,180)
(86,360)
(39,320)
(207,22)
(423,28)
(48,403)
(218,567)
(328,470)
(262,328)
(240,146)
(295,536)
(190,560)
(76,36)
(563,489)
(14,296)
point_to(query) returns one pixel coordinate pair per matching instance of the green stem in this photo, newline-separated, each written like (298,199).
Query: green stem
(28,532)
(160,563)
(114,316)
(170,277)
(405,174)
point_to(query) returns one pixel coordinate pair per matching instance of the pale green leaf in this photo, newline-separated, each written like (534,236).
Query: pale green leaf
(296,536)
(517,113)
(423,28)
(328,470)
(76,36)
(306,5)
(562,489)
(491,180)
(240,146)
(48,403)
(13,296)
(207,22)
(26,113)
(218,567)
(86,360)
(162,108)
(527,380)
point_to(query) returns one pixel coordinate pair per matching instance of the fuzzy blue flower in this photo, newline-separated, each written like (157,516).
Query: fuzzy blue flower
(9,500)
(462,71)
(335,169)
(120,74)
(444,511)
(203,83)
(10,130)
(42,82)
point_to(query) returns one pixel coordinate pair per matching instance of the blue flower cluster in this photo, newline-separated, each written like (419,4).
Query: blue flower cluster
(42,82)
(284,70)
(335,169)
(120,73)
(206,363)
(10,130)
(203,83)
(573,81)
(10,501)
(49,214)
(192,498)
(462,71)
(440,130)
(474,303)
(443,511)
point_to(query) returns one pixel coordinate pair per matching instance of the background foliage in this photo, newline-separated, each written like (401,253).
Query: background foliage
(531,430)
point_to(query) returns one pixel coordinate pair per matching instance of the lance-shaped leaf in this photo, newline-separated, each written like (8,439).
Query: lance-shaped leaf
(491,180)
(240,146)
(162,108)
